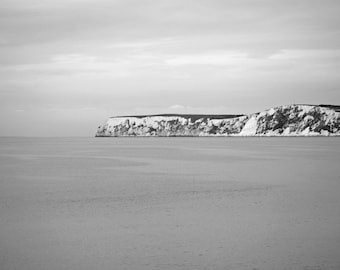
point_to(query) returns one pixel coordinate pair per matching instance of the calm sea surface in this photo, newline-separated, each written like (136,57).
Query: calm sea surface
(169,203)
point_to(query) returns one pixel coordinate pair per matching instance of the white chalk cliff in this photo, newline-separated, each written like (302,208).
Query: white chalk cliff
(288,120)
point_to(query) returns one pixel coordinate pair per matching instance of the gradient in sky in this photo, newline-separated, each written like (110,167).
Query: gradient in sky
(67,65)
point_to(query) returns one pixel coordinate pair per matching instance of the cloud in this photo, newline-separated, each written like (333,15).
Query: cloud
(144,44)
(217,58)
(250,24)
(71,64)
(176,107)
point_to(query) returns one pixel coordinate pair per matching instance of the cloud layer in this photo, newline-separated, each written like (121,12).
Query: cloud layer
(132,56)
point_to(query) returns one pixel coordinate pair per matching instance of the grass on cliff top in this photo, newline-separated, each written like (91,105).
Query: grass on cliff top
(193,117)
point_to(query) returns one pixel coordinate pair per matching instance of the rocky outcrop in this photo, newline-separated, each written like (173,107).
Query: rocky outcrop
(289,120)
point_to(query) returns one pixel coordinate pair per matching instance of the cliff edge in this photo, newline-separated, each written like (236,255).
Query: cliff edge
(287,120)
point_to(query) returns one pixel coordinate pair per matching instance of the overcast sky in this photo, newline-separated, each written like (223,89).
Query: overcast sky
(67,65)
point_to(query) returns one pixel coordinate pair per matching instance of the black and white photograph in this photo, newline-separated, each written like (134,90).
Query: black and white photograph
(169,134)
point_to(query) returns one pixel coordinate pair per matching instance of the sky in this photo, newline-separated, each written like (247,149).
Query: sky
(68,65)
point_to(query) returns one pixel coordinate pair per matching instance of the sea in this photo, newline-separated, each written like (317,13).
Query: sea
(147,203)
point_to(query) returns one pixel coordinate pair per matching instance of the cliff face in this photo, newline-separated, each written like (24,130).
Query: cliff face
(290,120)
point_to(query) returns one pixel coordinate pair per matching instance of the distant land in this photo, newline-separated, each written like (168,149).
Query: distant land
(286,120)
